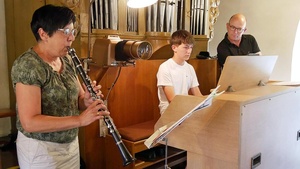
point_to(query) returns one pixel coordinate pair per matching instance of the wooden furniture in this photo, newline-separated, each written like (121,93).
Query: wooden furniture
(7,113)
(4,113)
(252,128)
(175,156)
(133,138)
(133,99)
(208,72)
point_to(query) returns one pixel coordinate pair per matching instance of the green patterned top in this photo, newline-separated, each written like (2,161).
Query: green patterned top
(59,92)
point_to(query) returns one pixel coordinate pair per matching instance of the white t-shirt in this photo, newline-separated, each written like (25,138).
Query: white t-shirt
(181,77)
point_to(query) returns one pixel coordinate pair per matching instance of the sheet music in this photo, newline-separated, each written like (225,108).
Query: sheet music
(162,132)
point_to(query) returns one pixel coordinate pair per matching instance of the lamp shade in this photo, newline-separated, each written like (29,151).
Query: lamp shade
(140,3)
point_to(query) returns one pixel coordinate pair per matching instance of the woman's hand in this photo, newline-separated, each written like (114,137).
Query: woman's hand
(95,111)
(88,100)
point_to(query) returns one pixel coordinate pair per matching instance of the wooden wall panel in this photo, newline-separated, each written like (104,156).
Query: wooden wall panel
(208,72)
(19,37)
(133,99)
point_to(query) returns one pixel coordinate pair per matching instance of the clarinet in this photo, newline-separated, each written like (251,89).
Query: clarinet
(126,156)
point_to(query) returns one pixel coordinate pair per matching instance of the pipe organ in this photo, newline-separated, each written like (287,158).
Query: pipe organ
(163,16)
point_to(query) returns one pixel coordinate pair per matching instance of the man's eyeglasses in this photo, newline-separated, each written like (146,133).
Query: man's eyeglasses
(68,31)
(233,28)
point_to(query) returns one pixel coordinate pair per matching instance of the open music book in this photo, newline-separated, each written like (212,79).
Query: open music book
(163,131)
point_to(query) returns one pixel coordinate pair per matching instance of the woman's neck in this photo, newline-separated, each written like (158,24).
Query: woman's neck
(54,62)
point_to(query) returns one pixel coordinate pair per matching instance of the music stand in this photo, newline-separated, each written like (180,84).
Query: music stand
(161,134)
(243,72)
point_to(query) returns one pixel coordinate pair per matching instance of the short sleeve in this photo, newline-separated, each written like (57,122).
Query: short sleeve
(163,76)
(195,81)
(27,70)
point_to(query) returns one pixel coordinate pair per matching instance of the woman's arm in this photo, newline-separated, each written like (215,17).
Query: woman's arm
(29,111)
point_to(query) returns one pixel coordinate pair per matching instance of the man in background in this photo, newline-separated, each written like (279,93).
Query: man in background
(235,41)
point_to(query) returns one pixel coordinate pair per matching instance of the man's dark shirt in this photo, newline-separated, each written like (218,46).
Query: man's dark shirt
(247,46)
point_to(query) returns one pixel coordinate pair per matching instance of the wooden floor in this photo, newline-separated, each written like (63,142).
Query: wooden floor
(8,154)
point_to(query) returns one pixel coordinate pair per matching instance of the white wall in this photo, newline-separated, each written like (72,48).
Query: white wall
(272,22)
(5,125)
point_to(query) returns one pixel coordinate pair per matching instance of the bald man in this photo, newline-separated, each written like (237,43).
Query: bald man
(235,41)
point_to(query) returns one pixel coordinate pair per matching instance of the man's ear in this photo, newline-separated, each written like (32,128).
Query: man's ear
(44,35)
(227,26)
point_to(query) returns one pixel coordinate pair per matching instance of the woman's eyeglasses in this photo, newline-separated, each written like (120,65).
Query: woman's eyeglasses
(68,31)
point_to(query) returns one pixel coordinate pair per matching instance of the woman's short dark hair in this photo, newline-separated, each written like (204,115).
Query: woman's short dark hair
(182,36)
(51,18)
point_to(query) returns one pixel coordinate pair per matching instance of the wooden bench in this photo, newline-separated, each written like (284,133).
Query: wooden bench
(4,113)
(7,113)
(133,138)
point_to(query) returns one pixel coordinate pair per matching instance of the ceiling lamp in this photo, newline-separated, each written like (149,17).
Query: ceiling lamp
(140,3)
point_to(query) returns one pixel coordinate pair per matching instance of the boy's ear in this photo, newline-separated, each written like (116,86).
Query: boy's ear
(174,47)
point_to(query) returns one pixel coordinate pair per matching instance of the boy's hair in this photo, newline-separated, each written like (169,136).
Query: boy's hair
(51,18)
(182,36)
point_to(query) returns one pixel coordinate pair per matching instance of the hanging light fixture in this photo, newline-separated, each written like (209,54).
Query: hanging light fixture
(140,3)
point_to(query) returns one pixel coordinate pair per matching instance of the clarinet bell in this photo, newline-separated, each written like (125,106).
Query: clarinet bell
(126,156)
